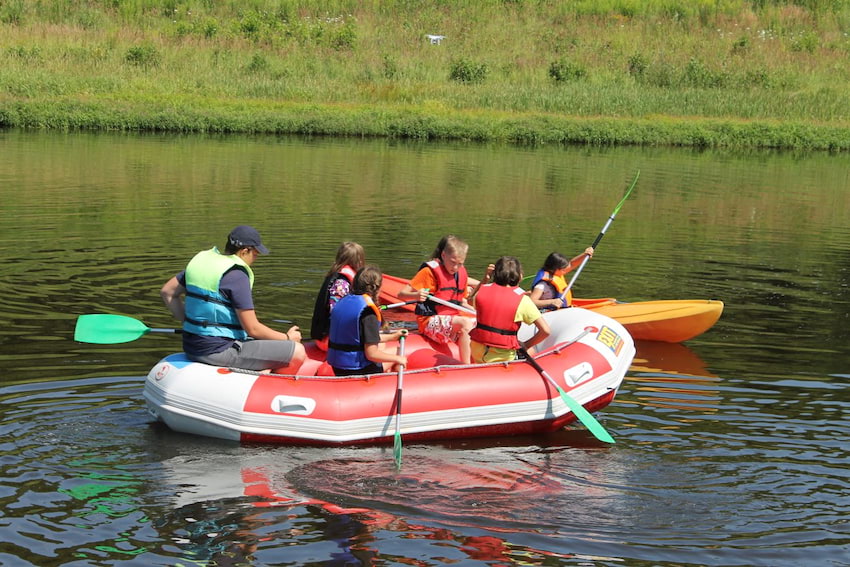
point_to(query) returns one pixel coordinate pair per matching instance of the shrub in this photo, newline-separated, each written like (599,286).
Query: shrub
(637,65)
(466,71)
(210,28)
(27,53)
(258,64)
(143,56)
(564,70)
(741,44)
(758,78)
(697,74)
(344,37)
(390,68)
(807,41)
(12,12)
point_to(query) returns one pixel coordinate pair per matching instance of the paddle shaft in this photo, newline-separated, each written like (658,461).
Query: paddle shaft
(452,305)
(399,304)
(584,416)
(400,381)
(601,234)
(397,438)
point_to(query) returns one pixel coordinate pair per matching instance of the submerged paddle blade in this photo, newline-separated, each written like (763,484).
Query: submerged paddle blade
(585,417)
(107,329)
(397,449)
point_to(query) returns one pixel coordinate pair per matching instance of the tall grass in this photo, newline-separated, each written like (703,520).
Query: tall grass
(695,72)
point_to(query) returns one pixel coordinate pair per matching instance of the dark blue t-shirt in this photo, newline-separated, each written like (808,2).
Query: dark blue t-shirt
(235,286)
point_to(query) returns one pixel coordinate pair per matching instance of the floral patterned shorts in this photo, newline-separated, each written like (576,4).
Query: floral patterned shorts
(438,328)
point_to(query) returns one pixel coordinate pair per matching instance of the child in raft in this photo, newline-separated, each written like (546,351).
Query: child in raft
(547,290)
(355,330)
(350,257)
(444,277)
(502,306)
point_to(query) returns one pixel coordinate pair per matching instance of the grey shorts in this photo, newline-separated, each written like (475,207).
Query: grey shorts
(252,355)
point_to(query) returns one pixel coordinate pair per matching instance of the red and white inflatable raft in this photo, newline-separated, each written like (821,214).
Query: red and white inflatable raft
(587,354)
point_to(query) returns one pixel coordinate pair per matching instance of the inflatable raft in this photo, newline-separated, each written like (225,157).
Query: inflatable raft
(587,355)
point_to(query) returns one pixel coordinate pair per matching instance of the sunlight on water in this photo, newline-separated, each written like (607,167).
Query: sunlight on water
(730,447)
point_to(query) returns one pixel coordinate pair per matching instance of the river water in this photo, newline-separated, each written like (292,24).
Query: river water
(731,448)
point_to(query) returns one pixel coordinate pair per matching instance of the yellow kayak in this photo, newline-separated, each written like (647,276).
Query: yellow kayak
(672,321)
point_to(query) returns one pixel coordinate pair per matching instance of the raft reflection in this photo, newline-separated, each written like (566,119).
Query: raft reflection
(238,511)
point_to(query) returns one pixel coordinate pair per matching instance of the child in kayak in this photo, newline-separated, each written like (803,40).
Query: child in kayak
(350,257)
(549,285)
(502,306)
(355,330)
(444,277)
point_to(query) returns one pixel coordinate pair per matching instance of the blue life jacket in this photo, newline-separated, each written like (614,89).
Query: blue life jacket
(345,345)
(207,311)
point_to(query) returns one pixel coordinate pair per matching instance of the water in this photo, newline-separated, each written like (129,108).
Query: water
(730,448)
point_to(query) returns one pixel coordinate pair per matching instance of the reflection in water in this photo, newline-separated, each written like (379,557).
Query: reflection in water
(240,513)
(730,449)
(669,358)
(672,376)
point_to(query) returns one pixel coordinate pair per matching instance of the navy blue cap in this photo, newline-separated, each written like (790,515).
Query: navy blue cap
(244,236)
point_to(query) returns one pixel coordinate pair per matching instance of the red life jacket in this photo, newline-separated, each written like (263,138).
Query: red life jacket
(450,287)
(496,307)
(348,272)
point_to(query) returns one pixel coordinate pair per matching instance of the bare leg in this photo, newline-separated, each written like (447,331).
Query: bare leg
(460,328)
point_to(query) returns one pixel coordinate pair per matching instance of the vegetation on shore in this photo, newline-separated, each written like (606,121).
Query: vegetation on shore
(706,73)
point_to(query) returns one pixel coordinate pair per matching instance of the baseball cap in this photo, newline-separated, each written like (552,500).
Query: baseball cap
(245,235)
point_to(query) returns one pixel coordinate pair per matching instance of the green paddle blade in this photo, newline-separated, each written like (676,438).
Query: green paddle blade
(397,449)
(106,329)
(585,417)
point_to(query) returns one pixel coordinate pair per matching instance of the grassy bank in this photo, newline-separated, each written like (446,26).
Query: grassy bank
(729,73)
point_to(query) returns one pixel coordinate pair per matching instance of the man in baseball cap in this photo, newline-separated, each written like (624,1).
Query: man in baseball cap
(213,298)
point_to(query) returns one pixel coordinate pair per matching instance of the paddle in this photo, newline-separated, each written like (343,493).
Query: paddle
(452,305)
(107,329)
(584,416)
(399,304)
(397,440)
(601,234)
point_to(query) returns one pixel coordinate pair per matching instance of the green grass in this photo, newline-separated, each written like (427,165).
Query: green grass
(696,72)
